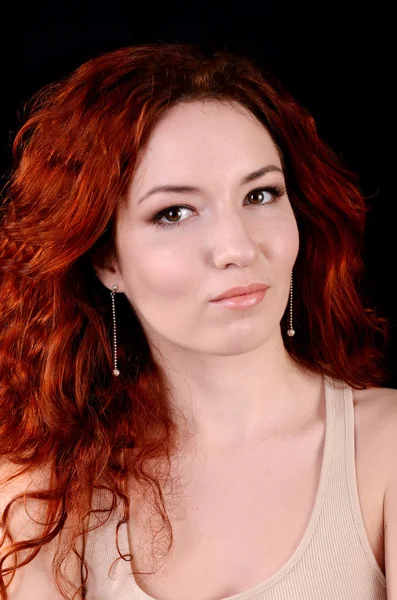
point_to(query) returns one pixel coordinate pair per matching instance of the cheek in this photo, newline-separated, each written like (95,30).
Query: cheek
(291,242)
(282,240)
(160,288)
(162,273)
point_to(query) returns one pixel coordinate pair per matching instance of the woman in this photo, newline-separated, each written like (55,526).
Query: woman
(238,448)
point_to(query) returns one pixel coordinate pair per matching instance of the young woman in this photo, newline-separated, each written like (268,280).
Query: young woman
(191,402)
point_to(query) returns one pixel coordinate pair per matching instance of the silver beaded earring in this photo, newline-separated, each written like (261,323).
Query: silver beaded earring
(291,331)
(115,370)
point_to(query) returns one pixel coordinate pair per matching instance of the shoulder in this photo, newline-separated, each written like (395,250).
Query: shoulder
(375,413)
(21,514)
(34,580)
(376,407)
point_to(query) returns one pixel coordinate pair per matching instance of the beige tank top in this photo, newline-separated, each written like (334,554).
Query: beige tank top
(334,560)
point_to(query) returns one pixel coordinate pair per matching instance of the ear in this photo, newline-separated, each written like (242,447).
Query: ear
(109,274)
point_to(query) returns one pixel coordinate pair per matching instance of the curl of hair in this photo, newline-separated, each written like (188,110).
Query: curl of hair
(74,157)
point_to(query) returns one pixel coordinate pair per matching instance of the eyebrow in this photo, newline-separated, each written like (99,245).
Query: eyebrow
(183,189)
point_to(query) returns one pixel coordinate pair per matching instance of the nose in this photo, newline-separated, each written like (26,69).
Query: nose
(234,240)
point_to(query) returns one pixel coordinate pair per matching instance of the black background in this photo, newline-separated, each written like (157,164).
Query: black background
(336,59)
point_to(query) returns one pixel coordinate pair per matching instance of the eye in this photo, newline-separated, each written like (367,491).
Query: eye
(267,196)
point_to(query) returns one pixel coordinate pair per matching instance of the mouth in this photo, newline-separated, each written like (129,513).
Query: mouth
(240,291)
(239,301)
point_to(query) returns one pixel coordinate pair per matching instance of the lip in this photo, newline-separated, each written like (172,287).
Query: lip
(242,302)
(240,291)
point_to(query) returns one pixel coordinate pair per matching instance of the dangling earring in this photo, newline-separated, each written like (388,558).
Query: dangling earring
(115,370)
(290,331)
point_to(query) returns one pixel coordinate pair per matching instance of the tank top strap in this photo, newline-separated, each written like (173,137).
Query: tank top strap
(342,502)
(351,474)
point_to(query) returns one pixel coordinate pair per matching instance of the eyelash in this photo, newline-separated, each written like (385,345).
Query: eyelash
(276,190)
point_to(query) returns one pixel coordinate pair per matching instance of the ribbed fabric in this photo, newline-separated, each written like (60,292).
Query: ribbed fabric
(334,560)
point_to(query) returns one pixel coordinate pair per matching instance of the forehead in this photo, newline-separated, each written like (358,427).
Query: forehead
(204,139)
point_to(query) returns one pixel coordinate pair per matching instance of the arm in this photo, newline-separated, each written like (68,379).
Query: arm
(390,503)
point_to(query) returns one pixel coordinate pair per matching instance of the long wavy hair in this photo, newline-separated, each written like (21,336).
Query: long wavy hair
(61,407)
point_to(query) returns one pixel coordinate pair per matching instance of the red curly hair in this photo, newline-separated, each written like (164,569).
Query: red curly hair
(61,408)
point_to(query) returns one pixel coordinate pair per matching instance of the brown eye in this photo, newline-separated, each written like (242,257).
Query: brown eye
(261,195)
(173,209)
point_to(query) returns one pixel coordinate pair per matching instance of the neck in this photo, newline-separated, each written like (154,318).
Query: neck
(226,401)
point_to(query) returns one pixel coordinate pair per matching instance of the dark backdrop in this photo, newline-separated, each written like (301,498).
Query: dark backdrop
(337,60)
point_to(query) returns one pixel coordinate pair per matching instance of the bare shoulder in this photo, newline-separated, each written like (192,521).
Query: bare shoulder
(379,403)
(376,423)
(20,514)
(35,579)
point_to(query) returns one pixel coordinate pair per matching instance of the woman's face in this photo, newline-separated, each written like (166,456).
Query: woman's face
(224,235)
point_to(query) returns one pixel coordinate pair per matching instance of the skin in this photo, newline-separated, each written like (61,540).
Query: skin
(230,376)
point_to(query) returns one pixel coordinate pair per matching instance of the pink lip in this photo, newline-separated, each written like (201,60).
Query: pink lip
(239,291)
(243,301)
